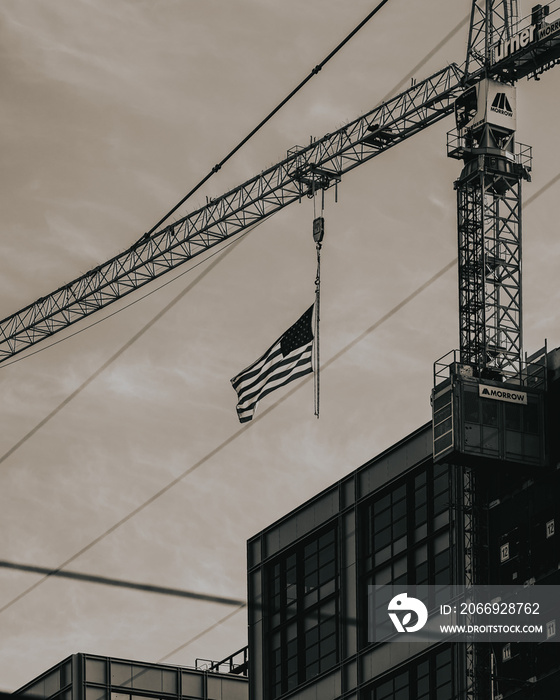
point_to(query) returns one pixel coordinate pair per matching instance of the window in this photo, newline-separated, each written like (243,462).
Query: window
(302,592)
(404,535)
(432,678)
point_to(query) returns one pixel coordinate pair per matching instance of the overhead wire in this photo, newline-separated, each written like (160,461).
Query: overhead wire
(120,583)
(269,116)
(224,251)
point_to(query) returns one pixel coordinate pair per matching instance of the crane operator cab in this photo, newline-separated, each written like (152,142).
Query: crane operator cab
(485,120)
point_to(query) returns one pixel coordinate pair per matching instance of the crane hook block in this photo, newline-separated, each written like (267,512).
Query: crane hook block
(318,229)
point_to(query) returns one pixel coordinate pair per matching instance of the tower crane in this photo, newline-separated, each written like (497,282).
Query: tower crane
(501,50)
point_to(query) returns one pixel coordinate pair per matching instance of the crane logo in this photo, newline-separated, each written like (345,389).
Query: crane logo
(404,603)
(501,104)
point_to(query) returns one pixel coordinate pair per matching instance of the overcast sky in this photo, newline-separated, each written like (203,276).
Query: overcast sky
(111,111)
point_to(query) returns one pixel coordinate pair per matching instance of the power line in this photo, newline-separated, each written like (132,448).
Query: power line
(224,443)
(201,634)
(124,347)
(120,583)
(278,107)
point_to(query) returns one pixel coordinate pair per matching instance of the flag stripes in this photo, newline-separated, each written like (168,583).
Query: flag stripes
(280,364)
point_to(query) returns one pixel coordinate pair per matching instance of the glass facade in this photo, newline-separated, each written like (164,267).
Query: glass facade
(88,677)
(302,618)
(55,684)
(405,535)
(429,678)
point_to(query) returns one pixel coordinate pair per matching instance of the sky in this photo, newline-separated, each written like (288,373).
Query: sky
(111,111)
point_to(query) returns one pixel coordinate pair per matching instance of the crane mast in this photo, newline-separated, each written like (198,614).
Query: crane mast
(474,388)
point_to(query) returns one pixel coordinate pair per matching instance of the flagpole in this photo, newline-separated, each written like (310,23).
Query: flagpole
(318,232)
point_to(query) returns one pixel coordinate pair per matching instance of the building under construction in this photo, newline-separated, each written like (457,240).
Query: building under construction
(484,513)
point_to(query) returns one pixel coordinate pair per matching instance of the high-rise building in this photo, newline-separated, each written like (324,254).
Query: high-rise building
(484,513)
(90,677)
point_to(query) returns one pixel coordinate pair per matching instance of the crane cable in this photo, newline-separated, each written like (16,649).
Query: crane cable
(269,116)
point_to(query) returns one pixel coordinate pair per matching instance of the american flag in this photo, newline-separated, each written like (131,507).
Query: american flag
(288,359)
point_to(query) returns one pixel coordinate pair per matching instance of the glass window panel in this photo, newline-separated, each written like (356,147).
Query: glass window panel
(292,666)
(441,519)
(471,404)
(399,545)
(385,691)
(399,528)
(291,649)
(328,661)
(399,510)
(312,654)
(121,674)
(52,683)
(441,542)
(326,555)
(291,593)
(513,416)
(382,555)
(312,636)
(328,645)
(291,631)
(532,418)
(312,670)
(489,412)
(382,538)
(445,692)
(421,514)
(328,628)
(441,502)
(101,694)
(399,567)
(383,503)
(383,576)
(443,658)
(420,554)
(326,573)
(443,675)
(441,483)
(146,678)
(311,597)
(382,520)
(308,550)
(96,671)
(422,573)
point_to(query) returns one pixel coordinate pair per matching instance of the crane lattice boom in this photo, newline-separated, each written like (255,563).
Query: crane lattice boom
(316,166)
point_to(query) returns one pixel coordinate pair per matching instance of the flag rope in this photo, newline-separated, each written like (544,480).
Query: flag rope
(317,317)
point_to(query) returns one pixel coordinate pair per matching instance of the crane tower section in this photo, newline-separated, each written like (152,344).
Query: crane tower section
(488,405)
(489,229)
